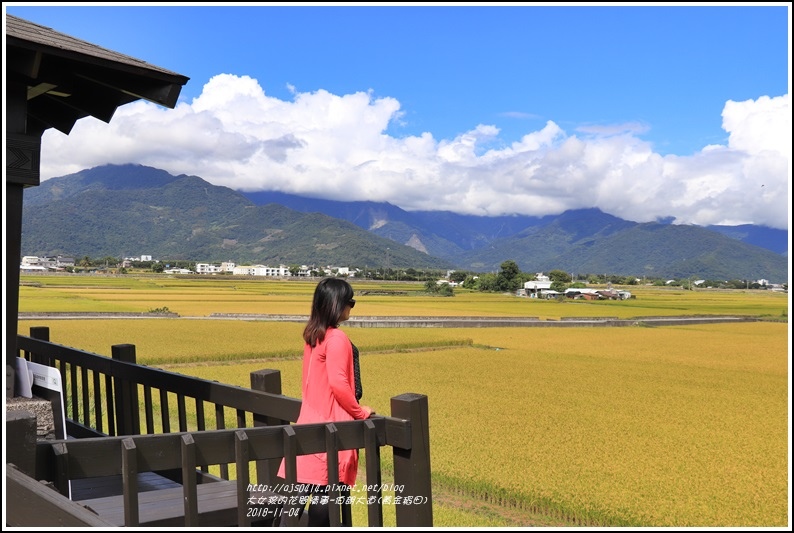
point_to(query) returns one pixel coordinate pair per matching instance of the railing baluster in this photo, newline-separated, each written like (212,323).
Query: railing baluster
(129,476)
(75,392)
(220,417)
(111,403)
(97,401)
(332,452)
(374,497)
(148,409)
(241,457)
(181,411)
(165,414)
(200,423)
(220,423)
(290,467)
(62,369)
(189,480)
(86,396)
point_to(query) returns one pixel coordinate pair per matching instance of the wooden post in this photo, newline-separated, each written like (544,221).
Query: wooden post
(267,380)
(22,161)
(41,333)
(412,466)
(12,194)
(126,394)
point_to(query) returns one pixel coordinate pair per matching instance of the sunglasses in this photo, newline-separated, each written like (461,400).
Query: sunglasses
(351,303)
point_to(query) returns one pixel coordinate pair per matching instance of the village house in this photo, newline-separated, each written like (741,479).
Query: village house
(261,270)
(32,263)
(540,287)
(177,271)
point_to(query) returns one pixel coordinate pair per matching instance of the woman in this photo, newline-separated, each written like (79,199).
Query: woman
(328,389)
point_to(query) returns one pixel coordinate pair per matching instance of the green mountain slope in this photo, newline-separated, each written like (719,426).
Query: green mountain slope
(187,218)
(132,210)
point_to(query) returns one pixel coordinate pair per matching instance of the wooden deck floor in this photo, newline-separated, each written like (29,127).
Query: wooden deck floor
(161,502)
(97,487)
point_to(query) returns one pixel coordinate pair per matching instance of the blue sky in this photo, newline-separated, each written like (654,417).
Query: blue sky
(642,111)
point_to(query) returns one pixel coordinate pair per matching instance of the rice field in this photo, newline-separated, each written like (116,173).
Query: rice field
(203,297)
(675,426)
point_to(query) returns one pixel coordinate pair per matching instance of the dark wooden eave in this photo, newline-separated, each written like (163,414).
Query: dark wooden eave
(68,79)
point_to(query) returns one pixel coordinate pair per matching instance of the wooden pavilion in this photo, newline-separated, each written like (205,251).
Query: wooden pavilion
(53,80)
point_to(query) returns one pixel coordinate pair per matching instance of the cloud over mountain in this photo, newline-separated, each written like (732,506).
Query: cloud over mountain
(342,147)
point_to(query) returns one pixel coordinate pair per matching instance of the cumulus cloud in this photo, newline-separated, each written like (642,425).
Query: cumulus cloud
(337,147)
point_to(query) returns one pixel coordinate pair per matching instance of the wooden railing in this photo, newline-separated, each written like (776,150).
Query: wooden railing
(131,419)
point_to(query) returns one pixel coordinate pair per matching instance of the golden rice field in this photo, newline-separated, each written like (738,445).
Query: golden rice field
(202,297)
(681,426)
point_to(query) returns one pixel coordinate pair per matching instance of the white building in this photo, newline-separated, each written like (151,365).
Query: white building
(206,268)
(534,287)
(31,268)
(32,263)
(581,291)
(177,271)
(261,270)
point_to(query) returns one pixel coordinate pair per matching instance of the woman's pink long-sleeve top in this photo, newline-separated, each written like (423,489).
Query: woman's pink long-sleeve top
(329,395)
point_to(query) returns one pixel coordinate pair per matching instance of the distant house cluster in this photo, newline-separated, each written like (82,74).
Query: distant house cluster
(593,294)
(540,287)
(32,263)
(128,261)
(280,271)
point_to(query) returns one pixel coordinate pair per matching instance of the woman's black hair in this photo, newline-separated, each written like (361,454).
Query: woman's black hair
(330,298)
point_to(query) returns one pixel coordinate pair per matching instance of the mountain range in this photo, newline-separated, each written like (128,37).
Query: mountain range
(133,210)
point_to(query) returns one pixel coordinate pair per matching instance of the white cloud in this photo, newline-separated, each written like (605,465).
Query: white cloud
(336,147)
